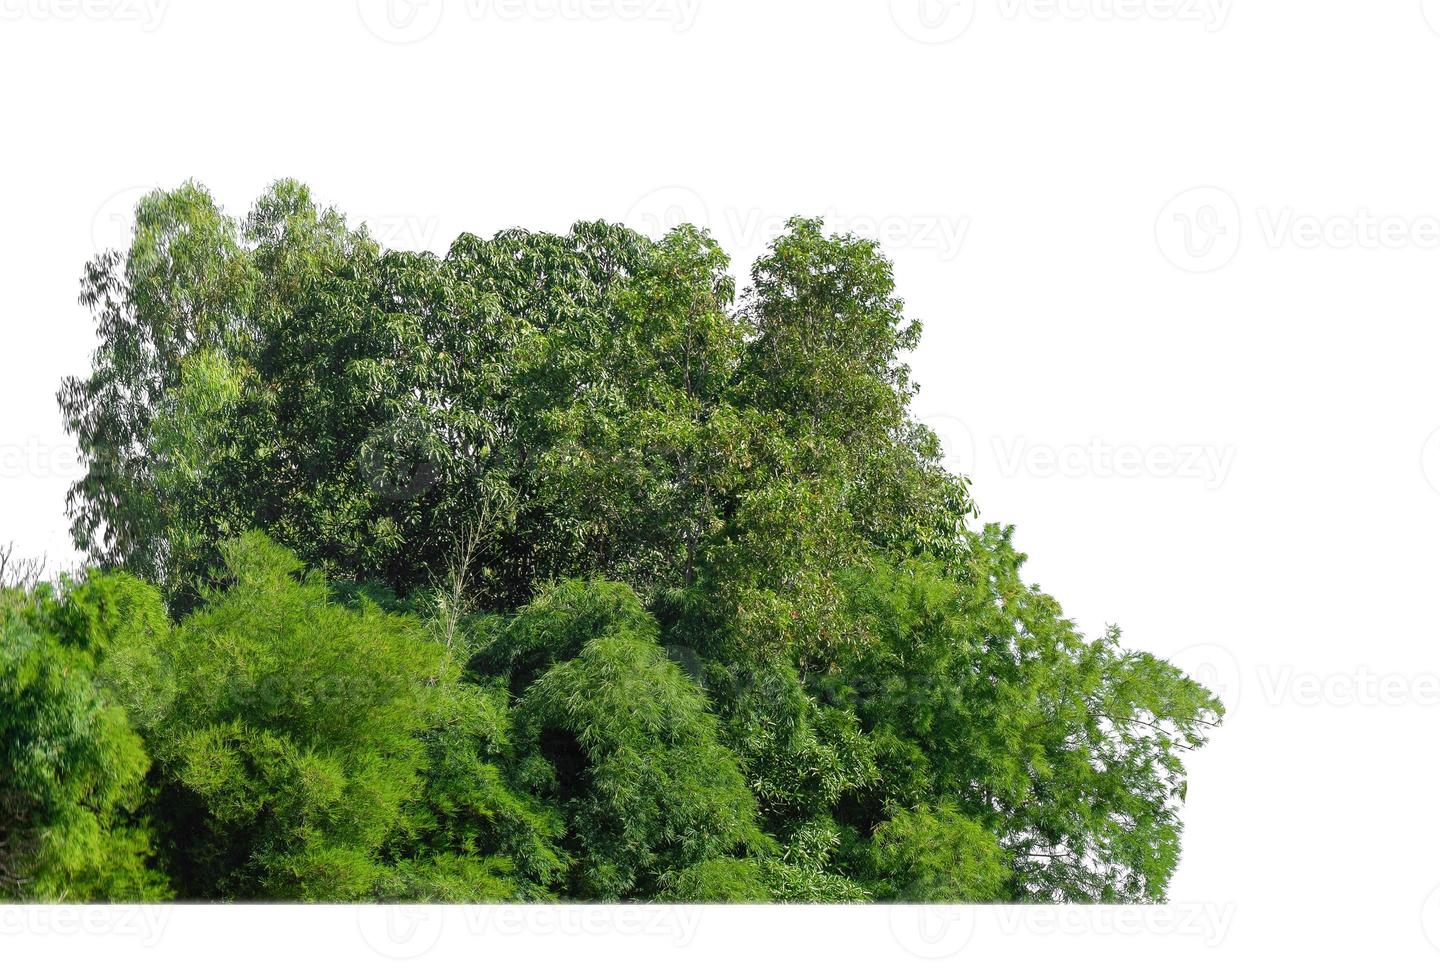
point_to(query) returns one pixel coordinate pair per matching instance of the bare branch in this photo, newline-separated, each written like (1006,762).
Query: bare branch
(19,573)
(453,585)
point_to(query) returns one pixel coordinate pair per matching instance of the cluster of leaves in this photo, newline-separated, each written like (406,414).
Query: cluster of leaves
(548,568)
(72,768)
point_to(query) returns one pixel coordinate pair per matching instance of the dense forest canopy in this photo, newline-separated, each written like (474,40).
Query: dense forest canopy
(551,568)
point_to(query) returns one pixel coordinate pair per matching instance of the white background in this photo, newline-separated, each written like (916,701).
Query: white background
(1177,262)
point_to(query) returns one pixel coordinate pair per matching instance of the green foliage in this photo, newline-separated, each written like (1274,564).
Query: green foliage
(979,692)
(71,771)
(718,881)
(290,746)
(636,762)
(468,815)
(558,624)
(933,854)
(806,870)
(117,622)
(583,575)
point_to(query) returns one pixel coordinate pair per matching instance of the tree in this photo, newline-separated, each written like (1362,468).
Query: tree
(298,738)
(184,286)
(71,771)
(624,744)
(978,693)
(933,854)
(655,584)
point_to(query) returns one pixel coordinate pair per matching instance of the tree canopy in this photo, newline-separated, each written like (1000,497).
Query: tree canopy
(555,567)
